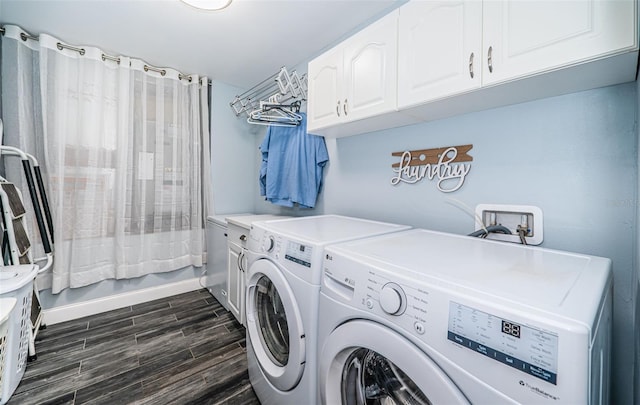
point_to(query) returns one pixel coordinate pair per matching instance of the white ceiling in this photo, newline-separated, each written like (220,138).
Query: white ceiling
(240,45)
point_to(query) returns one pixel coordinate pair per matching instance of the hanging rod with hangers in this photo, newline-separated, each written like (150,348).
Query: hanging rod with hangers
(277,114)
(277,89)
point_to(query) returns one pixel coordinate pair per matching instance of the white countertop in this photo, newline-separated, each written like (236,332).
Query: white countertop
(221,219)
(245,221)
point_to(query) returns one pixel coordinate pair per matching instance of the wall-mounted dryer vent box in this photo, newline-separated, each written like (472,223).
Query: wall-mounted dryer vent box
(514,218)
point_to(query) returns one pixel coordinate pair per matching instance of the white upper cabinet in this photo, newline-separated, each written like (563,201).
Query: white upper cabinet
(524,37)
(439,50)
(357,78)
(324,81)
(370,69)
(432,59)
(449,47)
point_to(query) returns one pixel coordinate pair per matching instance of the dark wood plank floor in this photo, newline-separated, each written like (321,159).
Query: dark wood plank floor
(185,349)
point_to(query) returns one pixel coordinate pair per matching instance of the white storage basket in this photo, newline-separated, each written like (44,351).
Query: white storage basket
(6,309)
(16,282)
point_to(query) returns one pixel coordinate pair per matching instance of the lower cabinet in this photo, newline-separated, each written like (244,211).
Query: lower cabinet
(217,267)
(237,263)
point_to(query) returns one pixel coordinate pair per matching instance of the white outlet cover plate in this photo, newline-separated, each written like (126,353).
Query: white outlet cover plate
(538,236)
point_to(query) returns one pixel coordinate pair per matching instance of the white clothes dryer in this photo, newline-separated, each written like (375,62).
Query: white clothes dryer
(423,317)
(283,287)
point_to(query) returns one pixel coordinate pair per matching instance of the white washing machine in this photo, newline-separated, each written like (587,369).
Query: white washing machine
(424,317)
(283,288)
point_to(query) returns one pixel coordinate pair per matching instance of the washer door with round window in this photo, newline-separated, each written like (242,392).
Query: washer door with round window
(274,325)
(364,362)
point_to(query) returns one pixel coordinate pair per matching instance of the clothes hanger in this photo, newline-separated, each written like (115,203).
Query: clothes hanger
(286,109)
(275,123)
(276,114)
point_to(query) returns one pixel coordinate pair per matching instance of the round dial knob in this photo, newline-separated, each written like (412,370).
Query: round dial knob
(392,299)
(268,244)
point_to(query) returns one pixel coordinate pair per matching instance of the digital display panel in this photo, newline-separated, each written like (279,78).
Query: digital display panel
(299,253)
(510,328)
(526,348)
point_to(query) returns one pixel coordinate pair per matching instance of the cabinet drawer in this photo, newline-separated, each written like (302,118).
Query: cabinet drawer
(238,235)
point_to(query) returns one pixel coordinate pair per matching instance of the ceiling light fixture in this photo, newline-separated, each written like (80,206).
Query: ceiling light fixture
(208,4)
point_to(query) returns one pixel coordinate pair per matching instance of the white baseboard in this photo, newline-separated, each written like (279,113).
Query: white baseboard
(74,311)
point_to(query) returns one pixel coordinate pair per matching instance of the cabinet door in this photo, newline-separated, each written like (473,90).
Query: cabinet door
(217,267)
(370,70)
(526,37)
(324,83)
(236,284)
(439,49)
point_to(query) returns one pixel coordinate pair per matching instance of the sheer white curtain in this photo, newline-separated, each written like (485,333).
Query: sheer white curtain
(22,114)
(125,150)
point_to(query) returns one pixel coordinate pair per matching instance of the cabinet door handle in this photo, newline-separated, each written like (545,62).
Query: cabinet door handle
(490,59)
(471,65)
(240,262)
(243,237)
(338,108)
(344,106)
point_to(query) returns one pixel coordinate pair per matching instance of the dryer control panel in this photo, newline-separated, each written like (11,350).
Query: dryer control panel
(398,300)
(299,253)
(522,347)
(295,256)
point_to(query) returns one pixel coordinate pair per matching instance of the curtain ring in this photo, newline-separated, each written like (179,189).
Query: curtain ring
(24,36)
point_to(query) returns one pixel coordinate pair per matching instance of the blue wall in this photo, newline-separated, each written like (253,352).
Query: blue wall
(234,160)
(574,156)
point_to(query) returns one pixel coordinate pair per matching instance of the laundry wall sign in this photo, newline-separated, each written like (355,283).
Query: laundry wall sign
(447,166)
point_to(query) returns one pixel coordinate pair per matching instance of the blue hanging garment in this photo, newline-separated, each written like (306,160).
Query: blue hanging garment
(292,165)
